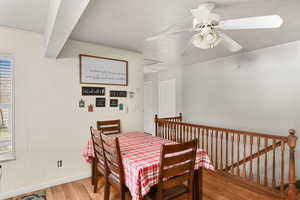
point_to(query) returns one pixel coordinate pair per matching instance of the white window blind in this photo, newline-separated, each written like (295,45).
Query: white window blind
(6,108)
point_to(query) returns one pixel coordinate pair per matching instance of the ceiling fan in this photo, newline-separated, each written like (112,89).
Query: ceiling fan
(207,28)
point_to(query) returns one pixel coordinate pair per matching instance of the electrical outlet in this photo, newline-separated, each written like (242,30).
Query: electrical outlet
(59,163)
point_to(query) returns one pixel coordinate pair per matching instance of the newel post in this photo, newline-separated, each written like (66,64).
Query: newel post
(156,127)
(292,191)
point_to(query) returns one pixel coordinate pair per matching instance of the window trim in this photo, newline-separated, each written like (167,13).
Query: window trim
(12,155)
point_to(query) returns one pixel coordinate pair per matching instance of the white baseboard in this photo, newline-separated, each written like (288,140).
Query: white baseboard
(33,188)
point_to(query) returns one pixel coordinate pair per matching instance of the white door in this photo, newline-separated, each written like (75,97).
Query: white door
(148,108)
(167,98)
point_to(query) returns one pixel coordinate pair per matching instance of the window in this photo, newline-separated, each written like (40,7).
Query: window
(6,108)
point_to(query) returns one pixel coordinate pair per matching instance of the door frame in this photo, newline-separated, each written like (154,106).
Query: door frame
(152,108)
(173,81)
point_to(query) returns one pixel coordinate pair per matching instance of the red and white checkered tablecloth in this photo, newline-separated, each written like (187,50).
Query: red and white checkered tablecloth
(140,156)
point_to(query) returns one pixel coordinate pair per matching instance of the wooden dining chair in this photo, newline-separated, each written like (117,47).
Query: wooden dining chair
(98,167)
(109,127)
(176,173)
(114,171)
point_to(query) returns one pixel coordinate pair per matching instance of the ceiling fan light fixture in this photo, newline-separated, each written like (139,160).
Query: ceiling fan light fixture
(206,40)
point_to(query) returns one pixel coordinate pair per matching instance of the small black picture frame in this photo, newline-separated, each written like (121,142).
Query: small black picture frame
(92,91)
(118,93)
(113,102)
(100,102)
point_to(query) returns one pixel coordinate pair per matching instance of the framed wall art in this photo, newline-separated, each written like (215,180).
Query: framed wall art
(81,103)
(104,71)
(100,102)
(118,93)
(92,91)
(113,103)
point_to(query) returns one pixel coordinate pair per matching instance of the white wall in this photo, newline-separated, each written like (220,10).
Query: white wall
(171,73)
(258,91)
(49,124)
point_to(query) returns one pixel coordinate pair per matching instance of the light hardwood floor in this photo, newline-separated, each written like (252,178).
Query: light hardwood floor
(79,190)
(216,187)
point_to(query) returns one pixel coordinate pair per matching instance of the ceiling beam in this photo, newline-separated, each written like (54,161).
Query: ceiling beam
(62,18)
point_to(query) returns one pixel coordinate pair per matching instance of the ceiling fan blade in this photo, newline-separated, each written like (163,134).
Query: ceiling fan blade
(229,43)
(168,33)
(270,21)
(188,47)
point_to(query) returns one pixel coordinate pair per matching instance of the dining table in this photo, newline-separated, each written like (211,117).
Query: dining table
(141,156)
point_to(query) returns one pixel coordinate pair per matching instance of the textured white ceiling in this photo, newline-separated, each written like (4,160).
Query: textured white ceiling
(28,15)
(125,24)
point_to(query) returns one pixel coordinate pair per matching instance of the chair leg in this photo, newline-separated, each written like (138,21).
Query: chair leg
(122,193)
(96,180)
(106,191)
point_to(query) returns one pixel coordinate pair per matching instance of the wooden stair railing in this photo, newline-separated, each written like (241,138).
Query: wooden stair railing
(255,157)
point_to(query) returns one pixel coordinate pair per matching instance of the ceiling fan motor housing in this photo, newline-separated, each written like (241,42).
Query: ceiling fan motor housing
(208,40)
(207,36)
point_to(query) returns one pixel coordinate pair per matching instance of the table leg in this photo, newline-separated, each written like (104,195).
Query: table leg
(198,184)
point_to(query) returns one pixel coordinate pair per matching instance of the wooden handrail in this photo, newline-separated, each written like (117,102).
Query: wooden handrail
(253,156)
(176,118)
(235,131)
